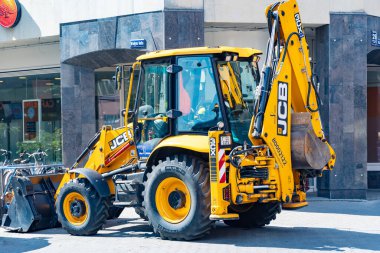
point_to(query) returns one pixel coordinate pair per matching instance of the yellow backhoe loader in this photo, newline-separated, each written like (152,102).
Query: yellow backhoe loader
(207,137)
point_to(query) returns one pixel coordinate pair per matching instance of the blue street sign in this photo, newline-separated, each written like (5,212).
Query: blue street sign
(138,44)
(375,41)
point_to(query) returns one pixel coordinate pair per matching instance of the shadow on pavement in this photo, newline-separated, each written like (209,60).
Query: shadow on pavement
(303,238)
(19,245)
(120,221)
(127,227)
(362,208)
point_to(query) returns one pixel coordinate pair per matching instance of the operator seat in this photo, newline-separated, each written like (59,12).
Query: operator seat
(153,130)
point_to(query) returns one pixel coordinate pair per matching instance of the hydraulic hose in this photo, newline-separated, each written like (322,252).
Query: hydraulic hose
(310,84)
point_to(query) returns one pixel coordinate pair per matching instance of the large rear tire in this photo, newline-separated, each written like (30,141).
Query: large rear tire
(80,209)
(140,211)
(254,215)
(177,198)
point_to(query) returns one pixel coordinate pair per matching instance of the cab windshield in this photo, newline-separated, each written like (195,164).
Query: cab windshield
(238,84)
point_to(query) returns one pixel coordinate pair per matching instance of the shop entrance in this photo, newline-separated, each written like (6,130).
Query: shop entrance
(30,113)
(373,119)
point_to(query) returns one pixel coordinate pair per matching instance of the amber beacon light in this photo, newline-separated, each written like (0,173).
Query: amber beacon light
(10,13)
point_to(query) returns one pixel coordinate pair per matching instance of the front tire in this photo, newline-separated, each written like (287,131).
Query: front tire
(254,215)
(80,209)
(177,198)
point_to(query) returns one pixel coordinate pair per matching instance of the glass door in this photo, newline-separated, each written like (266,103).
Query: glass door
(373,126)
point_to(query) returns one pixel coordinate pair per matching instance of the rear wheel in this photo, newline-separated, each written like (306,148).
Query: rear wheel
(177,198)
(254,215)
(140,211)
(80,209)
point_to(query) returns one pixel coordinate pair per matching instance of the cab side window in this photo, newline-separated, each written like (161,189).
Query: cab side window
(153,102)
(131,87)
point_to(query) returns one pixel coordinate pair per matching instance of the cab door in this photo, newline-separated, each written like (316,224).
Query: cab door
(151,123)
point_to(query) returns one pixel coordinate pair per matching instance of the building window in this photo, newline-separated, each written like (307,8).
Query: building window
(107,99)
(30,114)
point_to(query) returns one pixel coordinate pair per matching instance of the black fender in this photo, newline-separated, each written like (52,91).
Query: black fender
(161,153)
(96,180)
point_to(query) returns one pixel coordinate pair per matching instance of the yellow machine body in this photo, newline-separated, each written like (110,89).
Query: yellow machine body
(114,149)
(274,155)
(285,141)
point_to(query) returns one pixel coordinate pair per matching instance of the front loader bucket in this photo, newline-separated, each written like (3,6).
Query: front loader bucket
(308,151)
(32,207)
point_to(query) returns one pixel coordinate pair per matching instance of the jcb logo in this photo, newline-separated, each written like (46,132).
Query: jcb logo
(212,147)
(118,141)
(299,24)
(282,109)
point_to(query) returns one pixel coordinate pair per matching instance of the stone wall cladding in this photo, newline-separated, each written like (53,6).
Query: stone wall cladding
(92,44)
(345,43)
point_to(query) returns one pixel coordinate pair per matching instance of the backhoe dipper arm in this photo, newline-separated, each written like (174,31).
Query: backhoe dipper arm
(287,100)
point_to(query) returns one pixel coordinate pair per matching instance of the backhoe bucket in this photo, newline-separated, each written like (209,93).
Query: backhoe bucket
(32,207)
(308,151)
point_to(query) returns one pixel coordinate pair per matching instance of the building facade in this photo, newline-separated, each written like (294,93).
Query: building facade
(57,63)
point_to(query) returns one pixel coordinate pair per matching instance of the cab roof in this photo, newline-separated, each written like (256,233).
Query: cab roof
(242,52)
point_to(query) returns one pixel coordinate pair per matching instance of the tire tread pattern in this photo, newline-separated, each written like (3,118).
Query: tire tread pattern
(99,208)
(199,171)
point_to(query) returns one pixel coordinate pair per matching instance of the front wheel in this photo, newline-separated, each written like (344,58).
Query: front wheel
(80,209)
(177,198)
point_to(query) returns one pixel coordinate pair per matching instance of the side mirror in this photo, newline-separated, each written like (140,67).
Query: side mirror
(117,78)
(173,69)
(173,114)
(129,115)
(122,113)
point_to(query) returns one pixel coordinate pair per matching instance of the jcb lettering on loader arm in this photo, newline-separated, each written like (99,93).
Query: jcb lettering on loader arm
(119,140)
(282,121)
(201,146)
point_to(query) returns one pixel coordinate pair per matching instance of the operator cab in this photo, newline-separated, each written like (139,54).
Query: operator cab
(199,87)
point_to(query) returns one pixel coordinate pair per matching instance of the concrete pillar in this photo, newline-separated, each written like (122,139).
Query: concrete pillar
(342,67)
(78,110)
(184,28)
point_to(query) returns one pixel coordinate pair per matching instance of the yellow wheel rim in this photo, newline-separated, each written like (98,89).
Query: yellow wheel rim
(75,208)
(173,200)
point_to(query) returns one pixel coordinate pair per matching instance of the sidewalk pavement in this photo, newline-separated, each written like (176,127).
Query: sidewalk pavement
(325,225)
